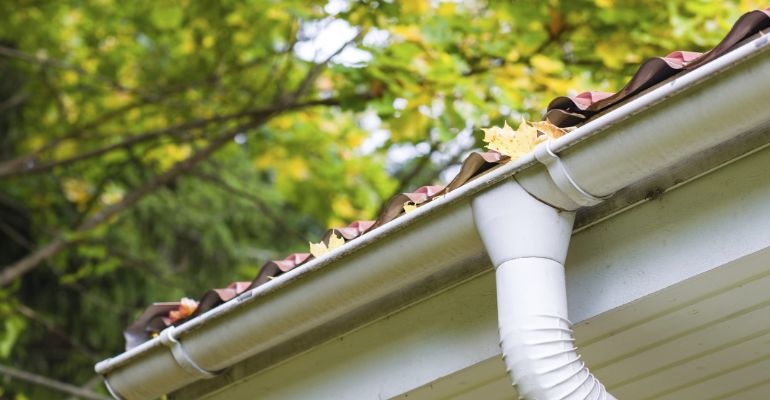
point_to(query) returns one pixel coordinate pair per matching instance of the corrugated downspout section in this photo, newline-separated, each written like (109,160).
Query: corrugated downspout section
(527,241)
(536,336)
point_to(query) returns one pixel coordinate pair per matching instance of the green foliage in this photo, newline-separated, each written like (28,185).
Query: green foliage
(100,100)
(12,327)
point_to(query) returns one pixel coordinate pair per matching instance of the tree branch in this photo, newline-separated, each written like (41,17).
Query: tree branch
(56,94)
(14,235)
(13,101)
(50,383)
(52,328)
(556,31)
(95,380)
(56,245)
(50,62)
(281,62)
(316,70)
(18,163)
(17,167)
(31,261)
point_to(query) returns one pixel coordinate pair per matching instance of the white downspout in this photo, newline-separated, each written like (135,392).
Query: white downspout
(526,223)
(527,241)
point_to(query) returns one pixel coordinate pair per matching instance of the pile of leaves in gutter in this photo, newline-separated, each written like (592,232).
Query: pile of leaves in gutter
(503,145)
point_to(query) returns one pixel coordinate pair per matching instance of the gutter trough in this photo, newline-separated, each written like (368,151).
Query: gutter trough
(699,111)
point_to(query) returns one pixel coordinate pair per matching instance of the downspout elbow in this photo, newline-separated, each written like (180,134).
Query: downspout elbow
(527,240)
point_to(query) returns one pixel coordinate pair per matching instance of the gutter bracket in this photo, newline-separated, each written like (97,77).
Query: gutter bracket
(181,356)
(561,177)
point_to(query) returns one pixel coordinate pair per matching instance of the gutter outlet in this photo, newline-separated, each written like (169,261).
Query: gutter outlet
(527,241)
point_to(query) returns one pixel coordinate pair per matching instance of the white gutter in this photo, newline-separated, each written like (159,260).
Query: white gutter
(698,111)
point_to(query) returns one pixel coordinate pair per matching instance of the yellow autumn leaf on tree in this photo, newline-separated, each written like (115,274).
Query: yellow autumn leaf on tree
(176,153)
(410,33)
(417,7)
(296,168)
(546,64)
(168,155)
(76,191)
(321,248)
(342,206)
(611,54)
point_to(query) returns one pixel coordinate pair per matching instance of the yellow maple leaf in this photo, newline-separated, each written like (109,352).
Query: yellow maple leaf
(318,249)
(512,143)
(335,242)
(321,248)
(548,129)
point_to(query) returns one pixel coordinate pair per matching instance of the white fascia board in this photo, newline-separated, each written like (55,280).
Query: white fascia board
(698,111)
